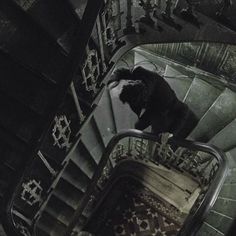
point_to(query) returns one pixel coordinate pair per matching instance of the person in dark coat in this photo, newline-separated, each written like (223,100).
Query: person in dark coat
(155,103)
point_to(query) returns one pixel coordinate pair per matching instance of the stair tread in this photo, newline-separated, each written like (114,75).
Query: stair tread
(59,209)
(219,222)
(76,177)
(51,225)
(198,90)
(231,177)
(222,112)
(68,193)
(231,156)
(228,192)
(103,113)
(125,118)
(92,141)
(225,139)
(85,163)
(146,59)
(178,81)
(207,230)
(225,207)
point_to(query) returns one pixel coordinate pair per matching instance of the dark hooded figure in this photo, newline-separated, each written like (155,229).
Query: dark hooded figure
(155,103)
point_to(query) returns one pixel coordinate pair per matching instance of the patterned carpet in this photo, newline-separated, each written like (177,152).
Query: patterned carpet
(133,210)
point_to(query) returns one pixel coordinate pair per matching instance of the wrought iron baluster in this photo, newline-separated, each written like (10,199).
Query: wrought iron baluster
(101,45)
(45,162)
(148,8)
(130,29)
(77,104)
(91,70)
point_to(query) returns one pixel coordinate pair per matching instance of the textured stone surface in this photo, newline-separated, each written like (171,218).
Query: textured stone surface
(225,139)
(201,96)
(104,113)
(124,117)
(92,140)
(220,222)
(220,114)
(225,207)
(207,230)
(178,81)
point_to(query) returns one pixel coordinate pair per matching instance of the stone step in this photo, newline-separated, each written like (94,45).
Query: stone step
(59,210)
(178,81)
(225,138)
(228,192)
(201,96)
(208,230)
(226,207)
(127,60)
(83,159)
(104,117)
(149,60)
(145,60)
(231,156)
(219,221)
(231,178)
(220,114)
(92,141)
(68,193)
(50,225)
(125,118)
(76,177)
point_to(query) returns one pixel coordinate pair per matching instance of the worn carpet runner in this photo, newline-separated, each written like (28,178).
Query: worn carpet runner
(130,209)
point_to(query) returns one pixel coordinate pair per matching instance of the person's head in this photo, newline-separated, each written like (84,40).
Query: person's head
(133,93)
(123,74)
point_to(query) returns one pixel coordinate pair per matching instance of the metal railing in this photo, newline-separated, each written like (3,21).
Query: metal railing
(205,163)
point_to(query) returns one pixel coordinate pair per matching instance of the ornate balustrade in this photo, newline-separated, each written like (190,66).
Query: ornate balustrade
(202,162)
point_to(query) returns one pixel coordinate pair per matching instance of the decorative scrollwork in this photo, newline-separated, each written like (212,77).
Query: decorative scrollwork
(141,147)
(148,6)
(23,230)
(27,4)
(118,152)
(111,22)
(89,206)
(91,70)
(104,176)
(32,192)
(61,132)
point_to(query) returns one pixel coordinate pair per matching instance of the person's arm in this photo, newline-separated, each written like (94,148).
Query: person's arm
(121,74)
(143,121)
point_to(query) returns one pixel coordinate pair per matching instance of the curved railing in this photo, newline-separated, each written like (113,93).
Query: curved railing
(205,163)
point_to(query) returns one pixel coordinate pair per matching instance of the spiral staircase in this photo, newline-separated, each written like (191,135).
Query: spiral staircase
(58,115)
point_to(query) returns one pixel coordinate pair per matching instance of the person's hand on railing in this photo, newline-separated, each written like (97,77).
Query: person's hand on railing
(118,75)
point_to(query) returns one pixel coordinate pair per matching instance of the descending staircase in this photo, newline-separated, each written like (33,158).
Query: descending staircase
(215,107)
(64,200)
(66,193)
(39,61)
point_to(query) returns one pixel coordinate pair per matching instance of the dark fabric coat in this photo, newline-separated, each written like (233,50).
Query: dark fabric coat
(163,110)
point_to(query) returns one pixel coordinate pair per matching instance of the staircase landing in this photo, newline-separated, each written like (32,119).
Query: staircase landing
(132,209)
